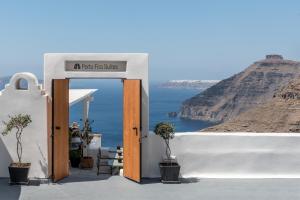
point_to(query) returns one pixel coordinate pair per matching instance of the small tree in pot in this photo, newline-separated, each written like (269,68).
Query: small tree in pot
(18,171)
(86,161)
(169,168)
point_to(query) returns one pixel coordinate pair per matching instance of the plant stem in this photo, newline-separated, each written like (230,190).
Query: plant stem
(21,147)
(19,144)
(168,149)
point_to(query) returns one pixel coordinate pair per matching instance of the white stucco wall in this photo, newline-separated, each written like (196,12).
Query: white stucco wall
(33,102)
(231,155)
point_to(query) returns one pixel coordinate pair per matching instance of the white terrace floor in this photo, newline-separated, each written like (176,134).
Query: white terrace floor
(117,187)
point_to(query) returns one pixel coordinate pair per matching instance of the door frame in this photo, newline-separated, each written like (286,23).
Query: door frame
(136,68)
(140,128)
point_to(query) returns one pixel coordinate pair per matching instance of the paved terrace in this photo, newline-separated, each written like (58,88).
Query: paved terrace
(116,187)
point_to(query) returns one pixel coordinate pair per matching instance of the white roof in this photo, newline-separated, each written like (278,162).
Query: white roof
(77,95)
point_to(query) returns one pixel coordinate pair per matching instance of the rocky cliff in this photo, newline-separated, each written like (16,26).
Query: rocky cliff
(241,92)
(280,114)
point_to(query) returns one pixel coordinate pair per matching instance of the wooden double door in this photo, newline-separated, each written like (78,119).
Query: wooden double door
(131,129)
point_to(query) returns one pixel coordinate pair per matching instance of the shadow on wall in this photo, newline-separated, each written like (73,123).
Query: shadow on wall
(43,165)
(6,159)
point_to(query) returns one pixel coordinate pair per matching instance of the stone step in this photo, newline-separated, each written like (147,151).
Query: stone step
(105,170)
(103,162)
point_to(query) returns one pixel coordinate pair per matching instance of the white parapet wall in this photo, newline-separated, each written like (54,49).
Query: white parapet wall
(238,155)
(15,100)
(229,155)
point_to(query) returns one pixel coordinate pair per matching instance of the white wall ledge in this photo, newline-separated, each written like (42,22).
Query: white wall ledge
(247,134)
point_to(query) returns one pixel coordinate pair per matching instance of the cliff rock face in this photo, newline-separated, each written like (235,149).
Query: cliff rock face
(241,92)
(280,114)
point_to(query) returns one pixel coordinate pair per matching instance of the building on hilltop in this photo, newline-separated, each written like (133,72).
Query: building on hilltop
(274,56)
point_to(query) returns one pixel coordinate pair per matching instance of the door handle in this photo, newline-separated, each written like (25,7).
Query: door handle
(57,127)
(136,130)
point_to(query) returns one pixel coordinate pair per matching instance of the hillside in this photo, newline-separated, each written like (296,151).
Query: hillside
(280,114)
(241,92)
(189,84)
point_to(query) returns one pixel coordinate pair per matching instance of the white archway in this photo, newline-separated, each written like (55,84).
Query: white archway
(124,66)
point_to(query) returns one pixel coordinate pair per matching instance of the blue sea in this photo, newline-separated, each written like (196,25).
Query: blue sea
(106,110)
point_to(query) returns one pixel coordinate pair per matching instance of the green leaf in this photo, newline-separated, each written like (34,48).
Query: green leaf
(18,122)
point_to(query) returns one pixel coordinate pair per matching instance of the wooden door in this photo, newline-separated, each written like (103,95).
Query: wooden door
(60,148)
(132,129)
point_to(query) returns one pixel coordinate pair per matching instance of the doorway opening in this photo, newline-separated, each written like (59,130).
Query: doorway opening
(96,127)
(110,109)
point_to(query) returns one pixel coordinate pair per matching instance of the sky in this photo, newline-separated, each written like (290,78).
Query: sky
(201,39)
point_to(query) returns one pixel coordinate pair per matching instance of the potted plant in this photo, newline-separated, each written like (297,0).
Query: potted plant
(86,161)
(75,143)
(75,157)
(18,171)
(169,168)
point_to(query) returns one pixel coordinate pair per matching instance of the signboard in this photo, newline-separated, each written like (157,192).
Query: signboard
(95,66)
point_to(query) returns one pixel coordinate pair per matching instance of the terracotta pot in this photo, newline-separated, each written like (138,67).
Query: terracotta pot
(86,162)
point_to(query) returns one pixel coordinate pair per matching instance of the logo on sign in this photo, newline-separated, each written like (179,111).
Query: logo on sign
(77,66)
(95,66)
